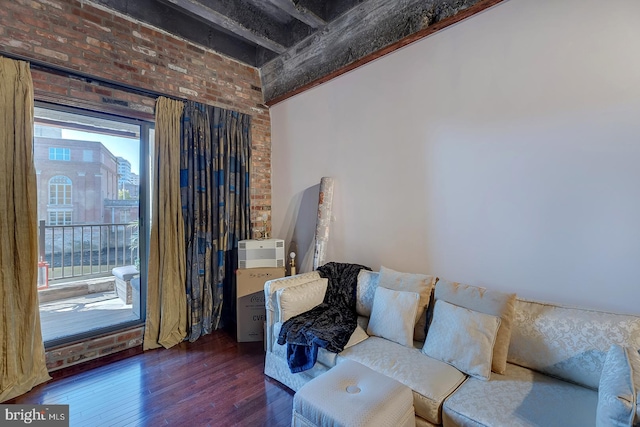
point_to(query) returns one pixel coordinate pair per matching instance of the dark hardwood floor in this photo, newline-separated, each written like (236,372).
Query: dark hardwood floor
(214,381)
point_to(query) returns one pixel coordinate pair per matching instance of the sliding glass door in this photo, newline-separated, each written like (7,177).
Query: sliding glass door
(91,176)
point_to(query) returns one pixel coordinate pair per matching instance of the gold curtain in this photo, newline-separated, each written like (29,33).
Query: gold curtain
(21,349)
(166,323)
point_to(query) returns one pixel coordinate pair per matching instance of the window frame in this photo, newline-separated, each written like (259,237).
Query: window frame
(66,219)
(67,188)
(65,154)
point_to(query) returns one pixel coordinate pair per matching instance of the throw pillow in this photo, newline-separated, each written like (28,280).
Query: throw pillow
(619,388)
(410,282)
(485,301)
(366,290)
(297,299)
(462,338)
(393,315)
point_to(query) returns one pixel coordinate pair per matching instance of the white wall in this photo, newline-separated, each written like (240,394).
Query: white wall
(503,151)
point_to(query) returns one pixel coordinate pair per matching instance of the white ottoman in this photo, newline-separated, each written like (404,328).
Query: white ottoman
(351,395)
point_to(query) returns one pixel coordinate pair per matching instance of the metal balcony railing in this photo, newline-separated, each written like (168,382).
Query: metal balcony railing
(73,251)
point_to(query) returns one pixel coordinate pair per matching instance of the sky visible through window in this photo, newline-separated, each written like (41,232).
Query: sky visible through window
(123,147)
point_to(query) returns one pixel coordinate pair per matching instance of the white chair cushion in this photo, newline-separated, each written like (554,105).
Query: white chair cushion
(410,282)
(365,291)
(619,388)
(485,301)
(520,398)
(463,338)
(431,380)
(568,343)
(393,315)
(300,298)
(326,358)
(271,287)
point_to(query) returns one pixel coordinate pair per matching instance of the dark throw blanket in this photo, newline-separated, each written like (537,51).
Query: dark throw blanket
(328,325)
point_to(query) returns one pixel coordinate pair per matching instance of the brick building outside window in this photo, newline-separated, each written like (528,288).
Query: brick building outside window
(78,180)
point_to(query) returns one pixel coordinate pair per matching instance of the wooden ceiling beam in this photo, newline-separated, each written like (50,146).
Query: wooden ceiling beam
(300,13)
(255,29)
(178,22)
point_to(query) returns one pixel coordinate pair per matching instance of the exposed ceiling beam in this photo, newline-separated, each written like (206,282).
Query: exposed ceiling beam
(337,8)
(299,12)
(223,18)
(360,35)
(175,21)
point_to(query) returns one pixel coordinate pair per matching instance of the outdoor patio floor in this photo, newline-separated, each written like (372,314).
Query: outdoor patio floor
(83,313)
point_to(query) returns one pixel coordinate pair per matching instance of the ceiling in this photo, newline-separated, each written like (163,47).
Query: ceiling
(297,43)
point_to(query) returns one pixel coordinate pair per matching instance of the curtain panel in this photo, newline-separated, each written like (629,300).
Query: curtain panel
(166,323)
(214,178)
(22,358)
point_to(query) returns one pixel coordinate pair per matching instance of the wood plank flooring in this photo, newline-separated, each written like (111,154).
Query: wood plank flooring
(214,381)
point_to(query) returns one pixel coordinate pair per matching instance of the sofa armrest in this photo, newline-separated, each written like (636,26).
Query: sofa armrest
(271,288)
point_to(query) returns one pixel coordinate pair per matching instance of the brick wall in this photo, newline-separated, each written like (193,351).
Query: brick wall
(73,354)
(96,41)
(89,38)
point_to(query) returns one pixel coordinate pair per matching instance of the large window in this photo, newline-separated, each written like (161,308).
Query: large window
(92,239)
(60,190)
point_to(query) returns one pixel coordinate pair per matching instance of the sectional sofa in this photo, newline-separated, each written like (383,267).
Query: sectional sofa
(473,356)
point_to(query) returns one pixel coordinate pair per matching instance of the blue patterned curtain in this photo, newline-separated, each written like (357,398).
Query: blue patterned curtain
(214,180)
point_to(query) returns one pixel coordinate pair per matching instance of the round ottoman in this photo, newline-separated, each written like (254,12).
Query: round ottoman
(351,395)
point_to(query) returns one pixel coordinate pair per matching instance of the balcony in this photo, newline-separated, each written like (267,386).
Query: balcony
(77,290)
